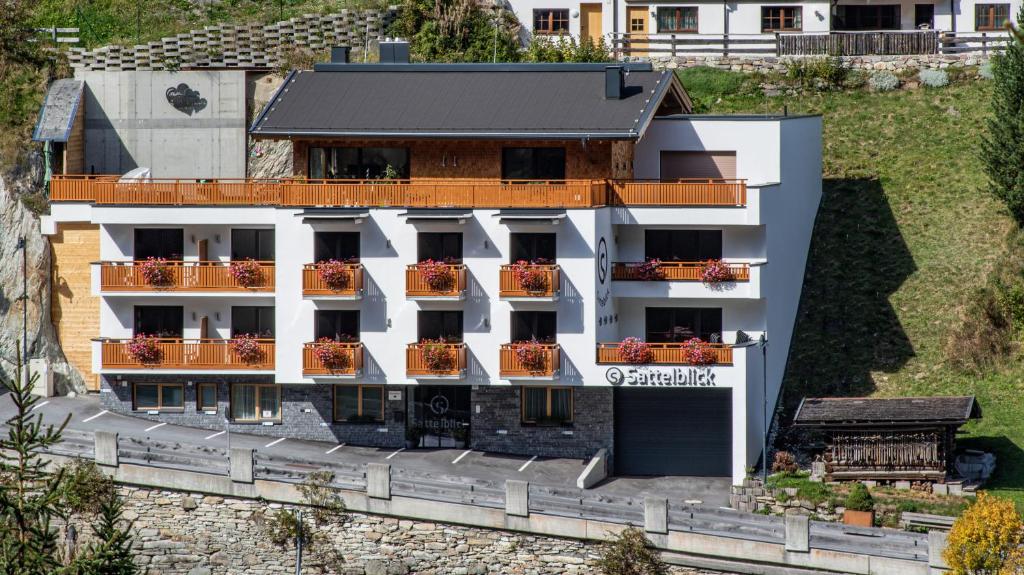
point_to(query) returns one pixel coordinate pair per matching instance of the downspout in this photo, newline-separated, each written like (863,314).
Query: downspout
(725,28)
(615,22)
(952,16)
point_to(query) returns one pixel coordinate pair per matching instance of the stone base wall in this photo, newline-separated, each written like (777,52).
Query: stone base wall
(192,534)
(772,64)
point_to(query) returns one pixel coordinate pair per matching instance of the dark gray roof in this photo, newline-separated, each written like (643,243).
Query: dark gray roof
(851,411)
(57,114)
(464,101)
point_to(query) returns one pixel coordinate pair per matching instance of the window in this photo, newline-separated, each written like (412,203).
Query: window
(341,246)
(532,247)
(637,24)
(255,402)
(548,21)
(359,403)
(252,320)
(156,396)
(338,325)
(358,163)
(159,320)
(439,246)
(990,16)
(547,405)
(683,245)
(677,19)
(446,325)
(527,325)
(533,163)
(868,17)
(206,397)
(159,243)
(781,18)
(254,244)
(678,324)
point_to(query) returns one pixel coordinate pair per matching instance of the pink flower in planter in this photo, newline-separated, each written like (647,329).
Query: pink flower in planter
(248,272)
(247,348)
(698,352)
(635,351)
(335,273)
(531,354)
(437,355)
(529,276)
(716,271)
(144,348)
(333,354)
(438,275)
(650,270)
(157,272)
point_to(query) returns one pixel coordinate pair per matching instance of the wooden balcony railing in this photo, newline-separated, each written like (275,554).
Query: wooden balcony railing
(184,276)
(211,354)
(352,364)
(414,193)
(416,283)
(664,353)
(511,366)
(313,284)
(416,364)
(510,286)
(675,271)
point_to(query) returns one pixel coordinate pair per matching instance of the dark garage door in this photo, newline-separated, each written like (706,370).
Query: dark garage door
(673,432)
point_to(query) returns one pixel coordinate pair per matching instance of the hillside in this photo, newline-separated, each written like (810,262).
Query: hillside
(905,238)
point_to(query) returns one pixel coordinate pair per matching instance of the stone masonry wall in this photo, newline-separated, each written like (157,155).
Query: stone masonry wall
(192,534)
(767,64)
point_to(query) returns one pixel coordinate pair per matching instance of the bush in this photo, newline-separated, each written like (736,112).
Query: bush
(987,538)
(630,553)
(859,499)
(829,72)
(784,463)
(883,81)
(985,71)
(566,49)
(934,78)
(456,31)
(85,487)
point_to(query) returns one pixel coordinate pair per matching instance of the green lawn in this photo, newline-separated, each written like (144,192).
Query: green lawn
(905,236)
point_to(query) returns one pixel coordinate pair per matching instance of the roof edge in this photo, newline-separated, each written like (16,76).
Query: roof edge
(482,67)
(272,101)
(618,135)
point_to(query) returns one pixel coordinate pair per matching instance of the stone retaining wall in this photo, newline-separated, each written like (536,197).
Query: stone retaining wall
(775,64)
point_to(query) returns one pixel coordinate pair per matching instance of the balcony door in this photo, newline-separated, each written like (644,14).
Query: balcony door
(533,164)
(446,325)
(167,243)
(341,246)
(439,246)
(534,248)
(539,325)
(683,245)
(678,324)
(337,325)
(252,244)
(252,320)
(166,321)
(867,17)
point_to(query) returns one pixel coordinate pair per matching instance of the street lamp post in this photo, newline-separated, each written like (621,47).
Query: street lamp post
(762,343)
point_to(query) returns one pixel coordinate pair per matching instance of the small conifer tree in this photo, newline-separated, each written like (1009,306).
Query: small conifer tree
(1002,147)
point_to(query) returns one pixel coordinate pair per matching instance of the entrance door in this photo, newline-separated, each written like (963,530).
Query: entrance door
(924,16)
(443,412)
(590,22)
(636,20)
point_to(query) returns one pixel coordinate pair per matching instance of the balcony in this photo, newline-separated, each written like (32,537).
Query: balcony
(340,281)
(666,354)
(191,276)
(529,282)
(335,359)
(725,280)
(435,360)
(188,355)
(541,365)
(415,193)
(435,282)
(675,272)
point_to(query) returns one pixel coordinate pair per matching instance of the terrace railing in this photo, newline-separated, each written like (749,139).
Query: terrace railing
(664,353)
(211,276)
(206,354)
(513,366)
(675,271)
(314,284)
(351,365)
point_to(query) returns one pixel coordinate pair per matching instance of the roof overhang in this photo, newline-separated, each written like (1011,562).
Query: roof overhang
(523,216)
(354,215)
(433,215)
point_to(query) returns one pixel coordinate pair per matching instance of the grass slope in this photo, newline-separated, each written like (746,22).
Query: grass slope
(904,237)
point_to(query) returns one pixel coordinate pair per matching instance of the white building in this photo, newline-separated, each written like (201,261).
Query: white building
(584,171)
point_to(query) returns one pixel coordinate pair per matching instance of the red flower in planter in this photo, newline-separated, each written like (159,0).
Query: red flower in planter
(530,277)
(144,348)
(438,275)
(635,351)
(715,271)
(437,355)
(248,272)
(335,274)
(698,352)
(247,348)
(157,272)
(532,355)
(650,270)
(333,355)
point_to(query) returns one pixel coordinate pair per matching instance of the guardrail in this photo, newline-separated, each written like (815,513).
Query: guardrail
(192,276)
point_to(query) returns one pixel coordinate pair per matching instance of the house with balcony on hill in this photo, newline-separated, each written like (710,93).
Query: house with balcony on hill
(541,259)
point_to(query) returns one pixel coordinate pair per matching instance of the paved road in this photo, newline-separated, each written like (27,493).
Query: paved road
(87,416)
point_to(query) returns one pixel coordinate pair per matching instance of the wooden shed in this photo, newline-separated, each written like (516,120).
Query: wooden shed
(888,439)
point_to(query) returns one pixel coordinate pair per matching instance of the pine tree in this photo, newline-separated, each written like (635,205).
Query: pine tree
(111,554)
(1002,148)
(29,496)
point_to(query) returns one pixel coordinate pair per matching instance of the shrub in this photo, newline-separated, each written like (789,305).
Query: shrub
(934,78)
(716,271)
(1002,143)
(883,81)
(438,275)
(335,274)
(247,272)
(532,355)
(85,487)
(437,355)
(333,355)
(635,351)
(698,352)
(784,462)
(157,272)
(985,71)
(530,277)
(247,347)
(829,72)
(143,348)
(317,492)
(859,498)
(987,538)
(566,49)
(650,270)
(457,31)
(630,553)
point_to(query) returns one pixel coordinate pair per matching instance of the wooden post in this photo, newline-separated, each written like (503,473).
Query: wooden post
(673,45)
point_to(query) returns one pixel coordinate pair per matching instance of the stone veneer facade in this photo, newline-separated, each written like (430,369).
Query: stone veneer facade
(776,64)
(192,534)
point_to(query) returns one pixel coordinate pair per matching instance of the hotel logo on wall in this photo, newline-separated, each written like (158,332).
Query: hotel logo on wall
(661,376)
(185,99)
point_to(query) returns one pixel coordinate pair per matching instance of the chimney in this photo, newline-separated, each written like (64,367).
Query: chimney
(339,54)
(614,82)
(394,51)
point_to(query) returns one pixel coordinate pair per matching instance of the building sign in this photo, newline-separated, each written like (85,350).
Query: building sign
(394,395)
(185,99)
(675,376)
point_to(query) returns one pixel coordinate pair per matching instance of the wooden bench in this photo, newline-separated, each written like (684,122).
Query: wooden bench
(927,521)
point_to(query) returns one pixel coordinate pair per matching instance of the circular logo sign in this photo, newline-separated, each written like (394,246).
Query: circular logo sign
(614,376)
(439,404)
(602,261)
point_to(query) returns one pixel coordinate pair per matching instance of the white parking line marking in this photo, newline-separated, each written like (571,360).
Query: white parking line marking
(151,428)
(38,405)
(335,448)
(527,463)
(275,442)
(215,435)
(459,458)
(395,453)
(88,419)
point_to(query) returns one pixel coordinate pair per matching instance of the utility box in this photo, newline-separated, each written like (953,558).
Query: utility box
(40,369)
